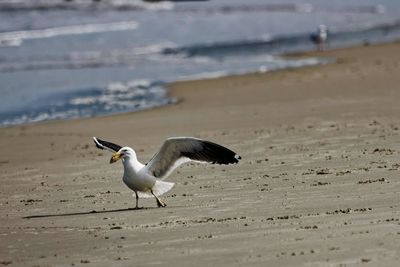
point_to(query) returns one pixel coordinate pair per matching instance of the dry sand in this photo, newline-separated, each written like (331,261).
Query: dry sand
(318,184)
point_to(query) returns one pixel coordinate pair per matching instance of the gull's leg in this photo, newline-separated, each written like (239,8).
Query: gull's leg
(160,203)
(137,201)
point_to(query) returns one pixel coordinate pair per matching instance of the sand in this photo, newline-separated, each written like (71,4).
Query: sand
(318,184)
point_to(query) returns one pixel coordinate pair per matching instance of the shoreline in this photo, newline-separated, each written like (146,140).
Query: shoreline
(317,184)
(329,55)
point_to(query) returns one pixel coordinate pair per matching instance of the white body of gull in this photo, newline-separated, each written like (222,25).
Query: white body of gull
(146,180)
(320,37)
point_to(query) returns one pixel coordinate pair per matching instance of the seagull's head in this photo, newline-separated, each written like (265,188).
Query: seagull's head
(124,154)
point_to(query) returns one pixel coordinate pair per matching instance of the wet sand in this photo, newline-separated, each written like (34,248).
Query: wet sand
(318,184)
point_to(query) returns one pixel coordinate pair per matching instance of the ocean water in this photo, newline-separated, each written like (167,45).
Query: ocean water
(69,59)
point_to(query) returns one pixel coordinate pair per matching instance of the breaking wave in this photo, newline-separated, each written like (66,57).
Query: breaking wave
(17,37)
(49,5)
(115,98)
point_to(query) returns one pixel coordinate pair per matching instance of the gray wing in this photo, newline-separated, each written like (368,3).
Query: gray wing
(101,144)
(178,150)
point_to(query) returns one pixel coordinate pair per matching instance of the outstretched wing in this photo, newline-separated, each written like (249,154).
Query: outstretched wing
(178,150)
(101,144)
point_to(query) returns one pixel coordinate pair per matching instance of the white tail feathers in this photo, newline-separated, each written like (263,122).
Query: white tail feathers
(162,187)
(159,188)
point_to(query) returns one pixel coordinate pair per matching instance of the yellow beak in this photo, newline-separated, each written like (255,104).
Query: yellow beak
(115,157)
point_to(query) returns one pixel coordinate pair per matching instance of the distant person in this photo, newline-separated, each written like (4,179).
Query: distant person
(320,37)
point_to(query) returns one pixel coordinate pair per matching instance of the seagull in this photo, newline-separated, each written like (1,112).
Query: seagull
(320,37)
(146,180)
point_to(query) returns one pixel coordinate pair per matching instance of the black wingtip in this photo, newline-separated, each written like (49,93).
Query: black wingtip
(220,154)
(237,157)
(101,144)
(96,142)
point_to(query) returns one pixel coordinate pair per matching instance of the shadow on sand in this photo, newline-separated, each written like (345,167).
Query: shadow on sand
(82,213)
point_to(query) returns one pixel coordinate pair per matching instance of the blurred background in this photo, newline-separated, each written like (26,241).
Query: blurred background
(62,59)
